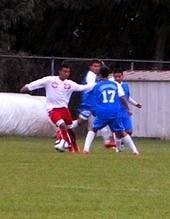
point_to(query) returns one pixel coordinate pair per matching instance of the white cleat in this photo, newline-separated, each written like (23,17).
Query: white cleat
(118,150)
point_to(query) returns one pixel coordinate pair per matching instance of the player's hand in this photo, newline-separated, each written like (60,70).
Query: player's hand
(138,105)
(24,89)
(129,112)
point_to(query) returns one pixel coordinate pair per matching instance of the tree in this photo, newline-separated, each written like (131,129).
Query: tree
(99,28)
(11,14)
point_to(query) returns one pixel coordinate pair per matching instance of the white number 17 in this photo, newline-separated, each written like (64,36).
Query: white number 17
(108,96)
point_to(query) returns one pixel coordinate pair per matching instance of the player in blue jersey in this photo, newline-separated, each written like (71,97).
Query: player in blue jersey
(127,122)
(87,105)
(108,96)
(126,117)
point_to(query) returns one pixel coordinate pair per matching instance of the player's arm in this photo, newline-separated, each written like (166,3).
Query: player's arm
(90,82)
(80,87)
(24,89)
(123,99)
(40,83)
(125,103)
(134,103)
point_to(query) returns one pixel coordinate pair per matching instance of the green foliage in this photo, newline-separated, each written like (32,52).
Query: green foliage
(14,73)
(127,29)
(100,28)
(13,12)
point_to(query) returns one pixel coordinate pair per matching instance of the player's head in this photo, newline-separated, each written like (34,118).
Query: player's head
(104,72)
(95,65)
(64,71)
(118,75)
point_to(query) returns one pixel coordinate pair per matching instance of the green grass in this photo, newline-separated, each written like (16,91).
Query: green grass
(38,182)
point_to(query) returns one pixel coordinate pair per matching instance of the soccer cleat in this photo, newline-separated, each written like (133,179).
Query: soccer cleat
(71,149)
(136,154)
(76,148)
(85,152)
(118,150)
(110,144)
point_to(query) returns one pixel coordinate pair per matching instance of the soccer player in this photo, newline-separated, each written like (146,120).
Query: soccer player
(58,92)
(108,95)
(126,117)
(87,104)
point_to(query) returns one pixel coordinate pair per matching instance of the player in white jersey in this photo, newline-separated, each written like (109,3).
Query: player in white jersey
(58,92)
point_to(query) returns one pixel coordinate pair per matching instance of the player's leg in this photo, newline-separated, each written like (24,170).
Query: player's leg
(117,126)
(56,115)
(82,118)
(90,134)
(75,147)
(127,124)
(97,124)
(105,132)
(88,141)
(78,122)
(68,121)
(127,140)
(108,137)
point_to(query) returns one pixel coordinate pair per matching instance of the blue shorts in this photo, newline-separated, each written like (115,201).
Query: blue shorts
(115,124)
(127,122)
(86,112)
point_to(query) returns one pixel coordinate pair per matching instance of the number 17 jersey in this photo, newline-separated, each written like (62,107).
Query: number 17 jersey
(107,98)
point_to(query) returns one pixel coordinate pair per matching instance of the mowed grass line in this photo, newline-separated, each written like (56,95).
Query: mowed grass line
(38,182)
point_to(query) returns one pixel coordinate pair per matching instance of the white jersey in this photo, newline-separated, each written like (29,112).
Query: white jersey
(90,77)
(58,92)
(120,89)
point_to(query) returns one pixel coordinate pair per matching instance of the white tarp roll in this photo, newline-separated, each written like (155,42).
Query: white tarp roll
(23,114)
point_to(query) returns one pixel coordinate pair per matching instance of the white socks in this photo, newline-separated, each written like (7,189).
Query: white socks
(118,144)
(74,124)
(105,133)
(127,140)
(88,141)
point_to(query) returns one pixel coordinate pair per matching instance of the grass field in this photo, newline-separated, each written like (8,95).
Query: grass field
(38,182)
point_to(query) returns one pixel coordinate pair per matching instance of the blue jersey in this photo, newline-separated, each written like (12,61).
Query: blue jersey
(87,97)
(126,119)
(106,99)
(127,94)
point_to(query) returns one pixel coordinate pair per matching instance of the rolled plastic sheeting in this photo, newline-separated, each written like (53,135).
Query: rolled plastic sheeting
(23,114)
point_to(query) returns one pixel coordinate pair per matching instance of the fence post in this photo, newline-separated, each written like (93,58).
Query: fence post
(132,66)
(52,66)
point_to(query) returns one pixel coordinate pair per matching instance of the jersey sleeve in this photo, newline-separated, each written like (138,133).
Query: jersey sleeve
(40,83)
(120,90)
(90,78)
(128,91)
(80,87)
(112,79)
(132,101)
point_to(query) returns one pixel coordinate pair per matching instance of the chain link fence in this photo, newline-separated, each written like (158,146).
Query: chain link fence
(15,71)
